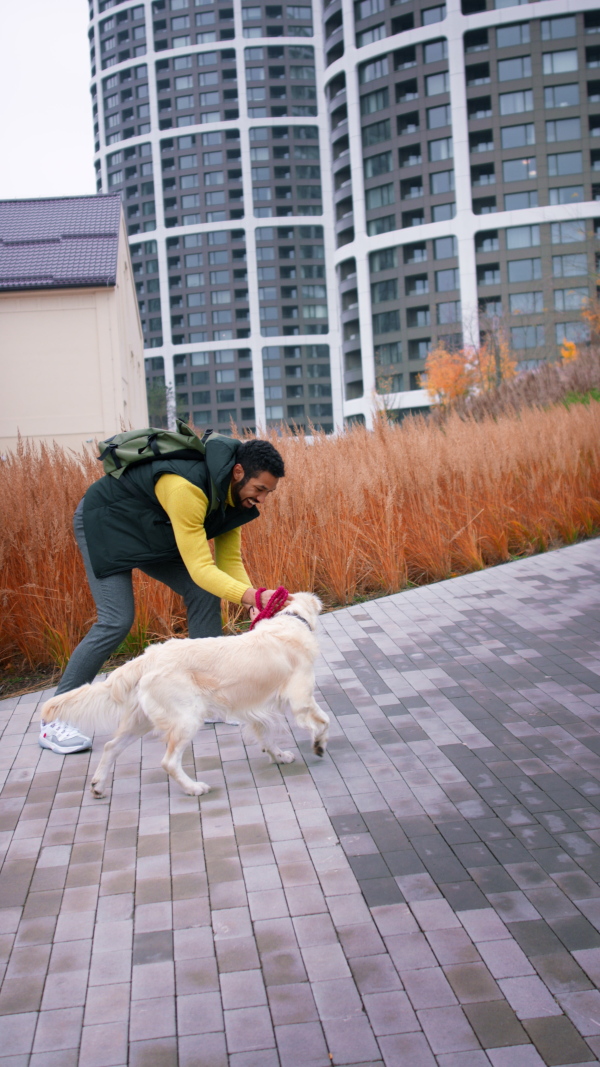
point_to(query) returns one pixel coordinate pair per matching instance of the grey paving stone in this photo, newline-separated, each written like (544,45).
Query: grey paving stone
(495,1024)
(406,1048)
(516,1056)
(292,1003)
(58,1029)
(472,983)
(301,1043)
(561,973)
(375,974)
(153,1053)
(447,1030)
(583,1009)
(248,1029)
(428,988)
(350,1039)
(390,1013)
(214,1050)
(557,1041)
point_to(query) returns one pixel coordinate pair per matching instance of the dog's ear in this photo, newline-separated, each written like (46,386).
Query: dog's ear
(318,606)
(312,603)
(307,602)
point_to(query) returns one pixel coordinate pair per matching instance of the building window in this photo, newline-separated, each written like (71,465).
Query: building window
(380,196)
(522,236)
(526,303)
(373,102)
(437,83)
(563,233)
(563,129)
(571,299)
(386,322)
(416,284)
(442,181)
(444,248)
(524,270)
(518,136)
(560,62)
(569,194)
(516,103)
(527,336)
(572,331)
(418,349)
(488,274)
(440,149)
(565,163)
(437,116)
(517,33)
(569,266)
(561,95)
(519,170)
(447,279)
(511,69)
(520,201)
(554,29)
(386,290)
(448,311)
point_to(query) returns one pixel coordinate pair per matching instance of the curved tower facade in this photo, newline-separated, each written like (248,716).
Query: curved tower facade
(464,173)
(209,120)
(316,195)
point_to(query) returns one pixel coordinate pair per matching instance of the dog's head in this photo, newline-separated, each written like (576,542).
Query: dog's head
(306,606)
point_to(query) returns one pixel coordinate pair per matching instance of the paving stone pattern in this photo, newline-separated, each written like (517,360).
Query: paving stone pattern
(425,894)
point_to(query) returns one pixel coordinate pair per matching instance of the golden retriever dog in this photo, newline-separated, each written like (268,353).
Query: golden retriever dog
(173,687)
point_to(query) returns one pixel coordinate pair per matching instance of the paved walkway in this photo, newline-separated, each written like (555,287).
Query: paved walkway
(426,894)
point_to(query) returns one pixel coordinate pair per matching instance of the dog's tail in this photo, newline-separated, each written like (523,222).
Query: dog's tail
(97,707)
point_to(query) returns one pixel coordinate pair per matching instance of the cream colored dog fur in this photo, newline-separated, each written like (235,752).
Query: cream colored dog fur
(175,686)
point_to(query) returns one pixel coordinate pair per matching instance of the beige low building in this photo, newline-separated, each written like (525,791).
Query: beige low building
(71,347)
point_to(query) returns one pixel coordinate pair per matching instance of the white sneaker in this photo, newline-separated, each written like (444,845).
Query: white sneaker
(62,738)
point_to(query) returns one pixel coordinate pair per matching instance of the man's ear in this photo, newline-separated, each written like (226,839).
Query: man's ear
(237,473)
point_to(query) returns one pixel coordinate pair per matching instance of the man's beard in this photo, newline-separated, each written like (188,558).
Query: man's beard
(235,492)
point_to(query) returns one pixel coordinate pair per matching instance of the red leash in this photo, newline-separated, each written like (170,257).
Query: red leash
(275,604)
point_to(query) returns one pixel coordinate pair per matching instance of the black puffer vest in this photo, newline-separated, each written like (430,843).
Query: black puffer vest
(126,527)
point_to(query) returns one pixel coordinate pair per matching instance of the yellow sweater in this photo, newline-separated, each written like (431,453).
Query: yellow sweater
(186,506)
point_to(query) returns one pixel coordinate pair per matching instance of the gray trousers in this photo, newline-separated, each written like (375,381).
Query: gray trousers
(116,610)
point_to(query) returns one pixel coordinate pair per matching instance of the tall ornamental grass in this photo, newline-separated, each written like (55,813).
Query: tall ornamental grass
(362,514)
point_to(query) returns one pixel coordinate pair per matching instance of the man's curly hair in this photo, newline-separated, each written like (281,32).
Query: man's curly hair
(256,456)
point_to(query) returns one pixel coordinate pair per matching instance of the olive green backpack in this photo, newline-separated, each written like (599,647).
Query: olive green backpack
(125,450)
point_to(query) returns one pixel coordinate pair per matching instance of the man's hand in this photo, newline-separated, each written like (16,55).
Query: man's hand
(249,598)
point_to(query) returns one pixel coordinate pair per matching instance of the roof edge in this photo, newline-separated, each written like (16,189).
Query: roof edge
(55,199)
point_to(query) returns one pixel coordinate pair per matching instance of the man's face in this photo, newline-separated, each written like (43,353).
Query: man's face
(254,491)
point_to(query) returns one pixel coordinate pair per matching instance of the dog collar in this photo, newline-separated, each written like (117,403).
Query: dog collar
(292,615)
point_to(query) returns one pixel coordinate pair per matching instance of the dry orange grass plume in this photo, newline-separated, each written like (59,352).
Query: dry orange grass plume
(362,514)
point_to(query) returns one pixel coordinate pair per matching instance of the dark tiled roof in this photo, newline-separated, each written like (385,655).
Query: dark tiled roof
(67,242)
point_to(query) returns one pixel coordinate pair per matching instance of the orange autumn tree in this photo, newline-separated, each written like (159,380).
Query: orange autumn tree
(449,375)
(494,361)
(568,351)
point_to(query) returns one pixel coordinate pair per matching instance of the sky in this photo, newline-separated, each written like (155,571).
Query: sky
(46,130)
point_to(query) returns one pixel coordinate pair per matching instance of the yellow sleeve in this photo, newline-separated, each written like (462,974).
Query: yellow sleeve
(186,506)
(228,555)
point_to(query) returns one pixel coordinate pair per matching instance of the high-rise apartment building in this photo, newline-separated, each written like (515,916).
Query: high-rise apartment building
(317,194)
(208,120)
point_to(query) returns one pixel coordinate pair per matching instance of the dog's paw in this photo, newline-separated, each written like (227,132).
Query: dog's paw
(283,756)
(96,791)
(197,789)
(319,748)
